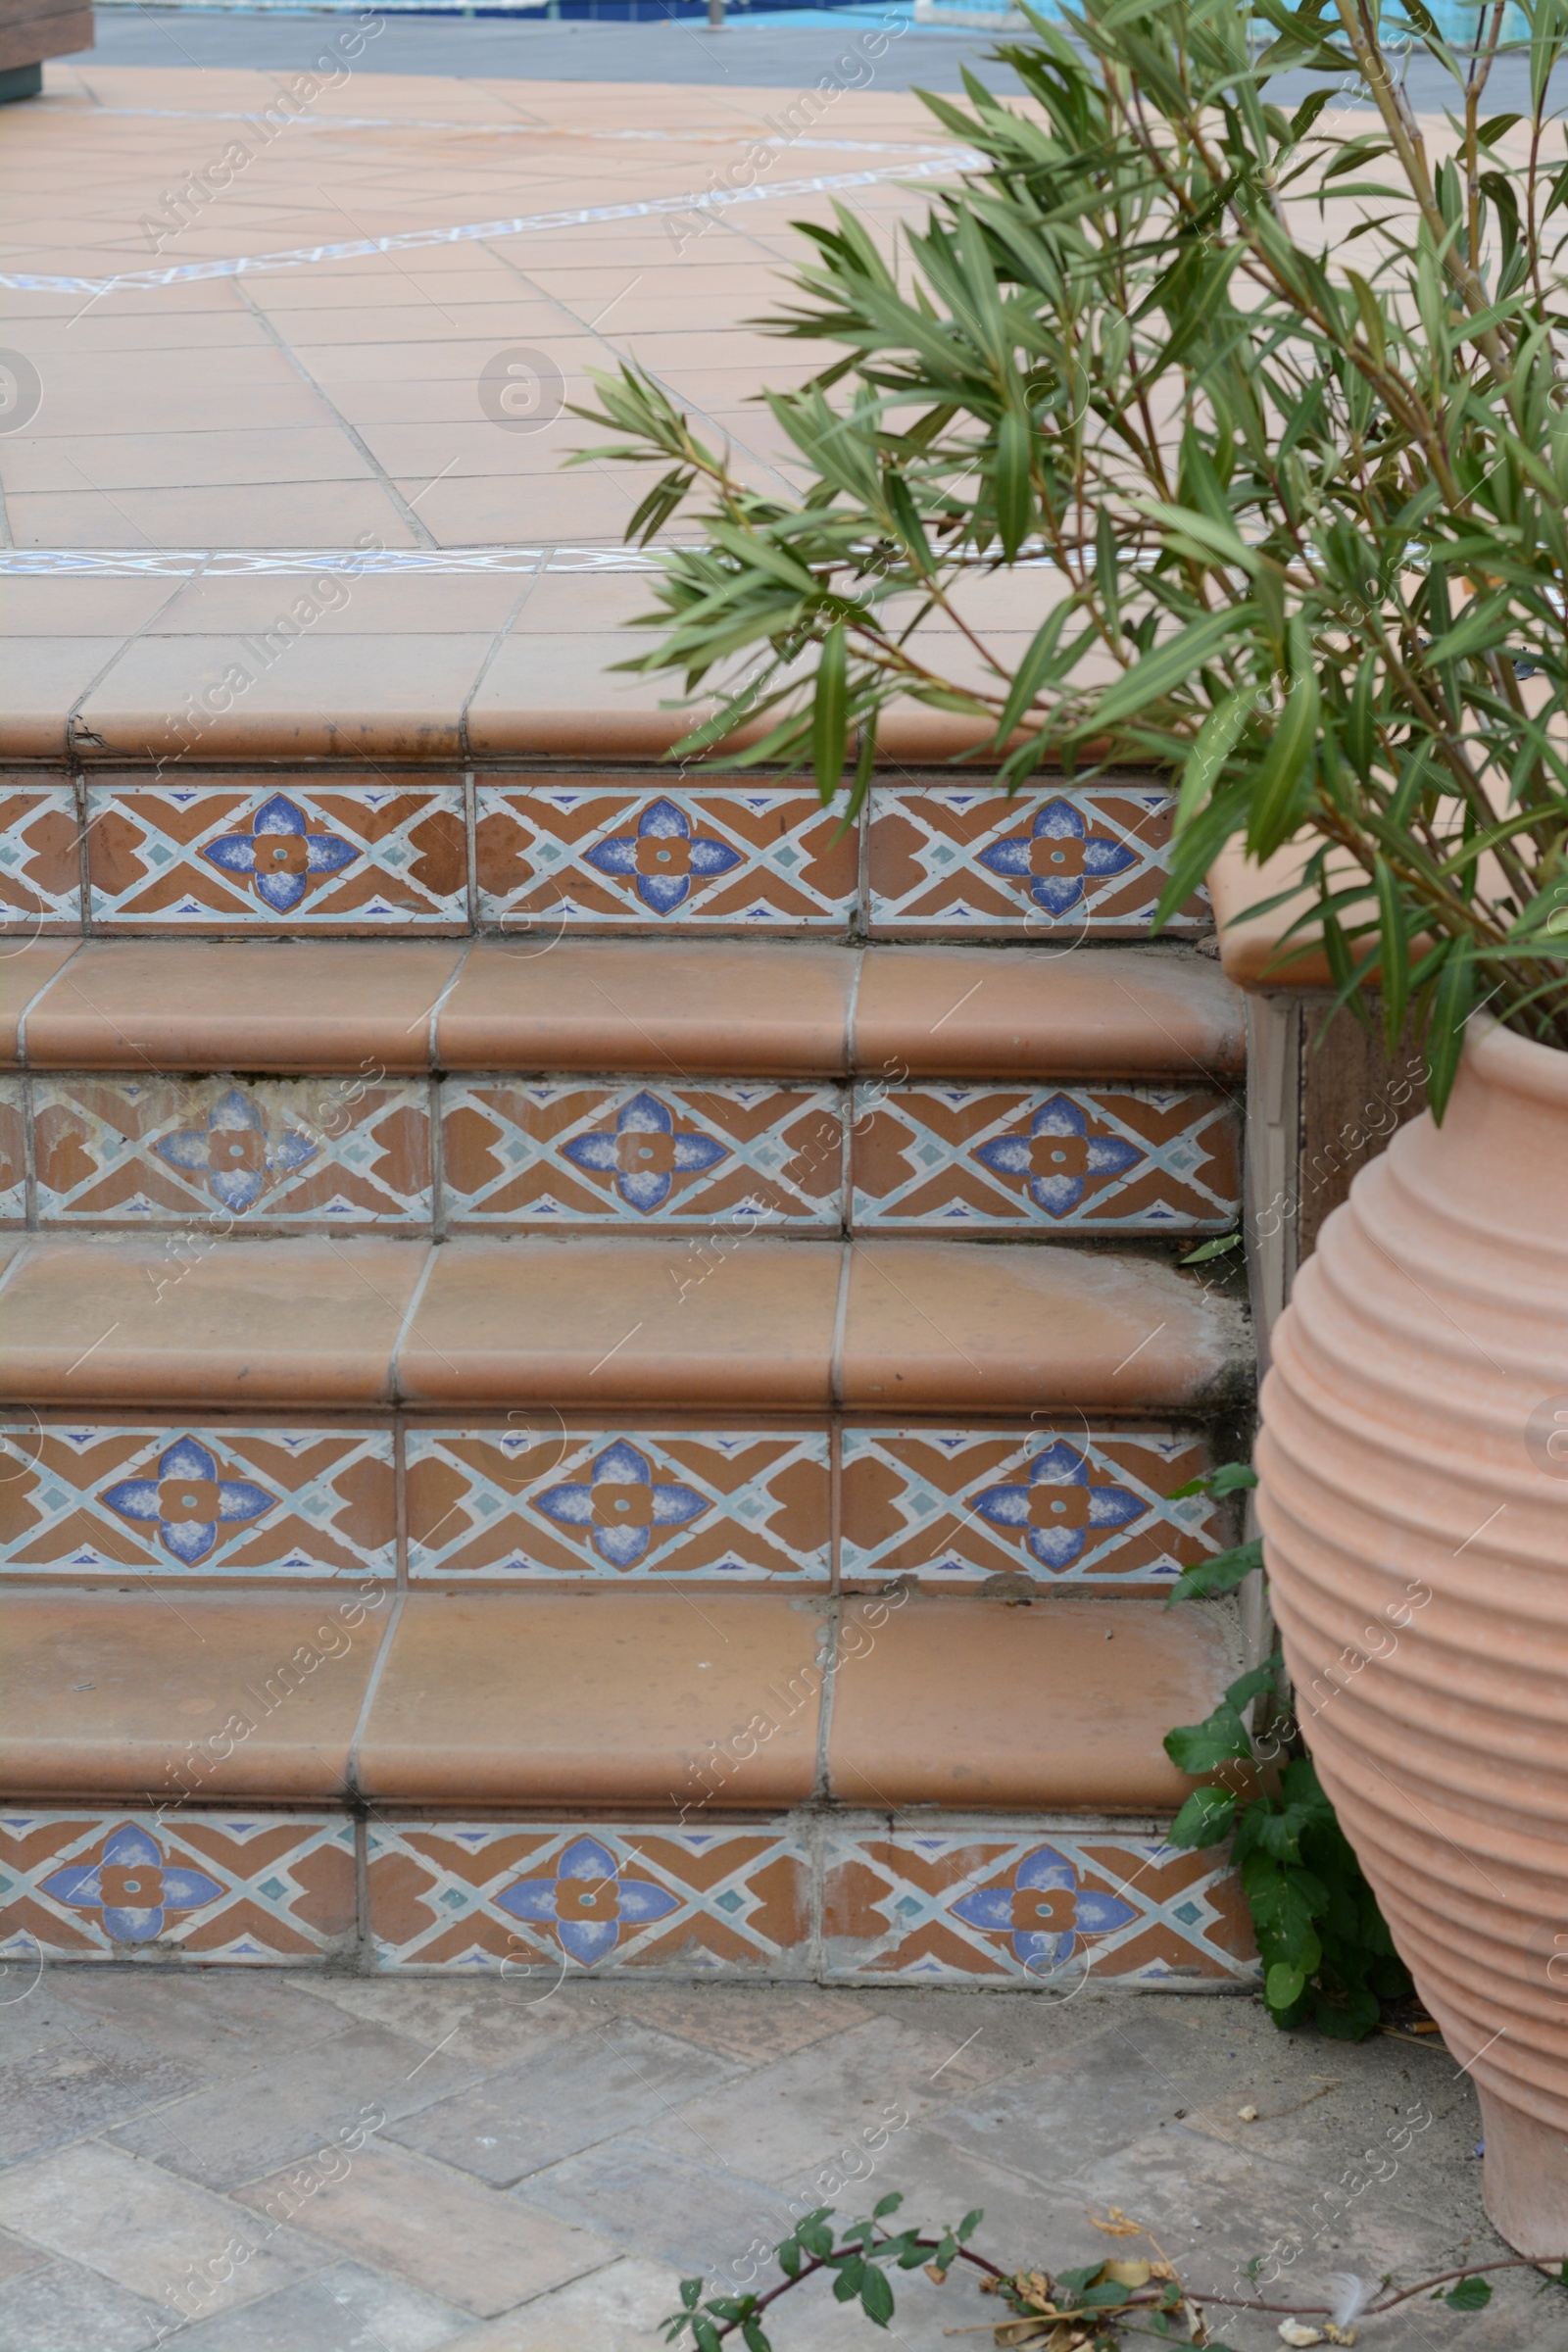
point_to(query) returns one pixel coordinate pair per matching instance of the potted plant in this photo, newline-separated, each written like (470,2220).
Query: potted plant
(1264,412)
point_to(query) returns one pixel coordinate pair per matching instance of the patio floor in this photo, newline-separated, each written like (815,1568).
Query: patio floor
(401,2166)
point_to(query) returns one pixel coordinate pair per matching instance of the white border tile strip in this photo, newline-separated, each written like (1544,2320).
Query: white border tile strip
(697,200)
(217,564)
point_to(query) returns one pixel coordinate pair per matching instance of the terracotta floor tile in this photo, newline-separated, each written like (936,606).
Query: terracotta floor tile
(112,1695)
(204,1319)
(319,513)
(368,604)
(618,1700)
(751,1009)
(590,508)
(1120,1012)
(295,451)
(26,970)
(547,695)
(319,696)
(53,606)
(962,1703)
(197,1005)
(41,681)
(941,1325)
(689,1322)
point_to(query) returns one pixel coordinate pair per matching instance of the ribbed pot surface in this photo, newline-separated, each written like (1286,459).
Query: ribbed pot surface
(1414,1505)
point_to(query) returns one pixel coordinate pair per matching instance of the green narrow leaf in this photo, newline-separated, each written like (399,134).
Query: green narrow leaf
(1013,489)
(888,2204)
(1216,739)
(829,716)
(1277,795)
(754,2338)
(972,2220)
(1451,1003)
(1170,664)
(1395,960)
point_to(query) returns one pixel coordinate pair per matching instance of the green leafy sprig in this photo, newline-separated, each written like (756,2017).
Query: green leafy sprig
(1283,490)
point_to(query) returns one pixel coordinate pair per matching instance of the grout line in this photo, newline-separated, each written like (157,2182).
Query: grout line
(852,1012)
(29,1156)
(432,1037)
(407,1325)
(501,637)
(350,1769)
(36,998)
(835,1376)
(424,536)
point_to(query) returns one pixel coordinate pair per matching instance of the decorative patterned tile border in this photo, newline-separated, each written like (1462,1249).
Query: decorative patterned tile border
(953,1160)
(570,1153)
(729,1506)
(216,856)
(542,1899)
(80,1500)
(960,859)
(256,1890)
(1052,1505)
(308,853)
(621,857)
(530,1500)
(1036,1906)
(1009,1903)
(41,869)
(118,1151)
(584,1154)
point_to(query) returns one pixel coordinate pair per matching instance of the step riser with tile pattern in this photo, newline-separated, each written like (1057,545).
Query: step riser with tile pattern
(340,1152)
(320,851)
(434,1538)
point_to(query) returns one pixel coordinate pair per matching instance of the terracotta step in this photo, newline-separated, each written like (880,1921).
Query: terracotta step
(622,1701)
(671,1006)
(922,1327)
(952,1091)
(899,1789)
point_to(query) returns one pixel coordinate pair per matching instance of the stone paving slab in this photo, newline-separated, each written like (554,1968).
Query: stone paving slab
(582,2151)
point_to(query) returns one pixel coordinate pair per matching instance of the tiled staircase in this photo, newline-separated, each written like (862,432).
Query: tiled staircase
(597,1370)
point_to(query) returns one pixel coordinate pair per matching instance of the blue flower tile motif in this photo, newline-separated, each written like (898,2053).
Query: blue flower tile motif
(238,1154)
(1045,1910)
(1058,857)
(133,1887)
(279,854)
(622,1503)
(187,1502)
(644,1154)
(587,1901)
(1055,1509)
(663,856)
(1057,1156)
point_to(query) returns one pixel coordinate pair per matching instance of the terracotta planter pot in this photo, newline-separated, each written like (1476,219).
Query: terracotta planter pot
(1414,1505)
